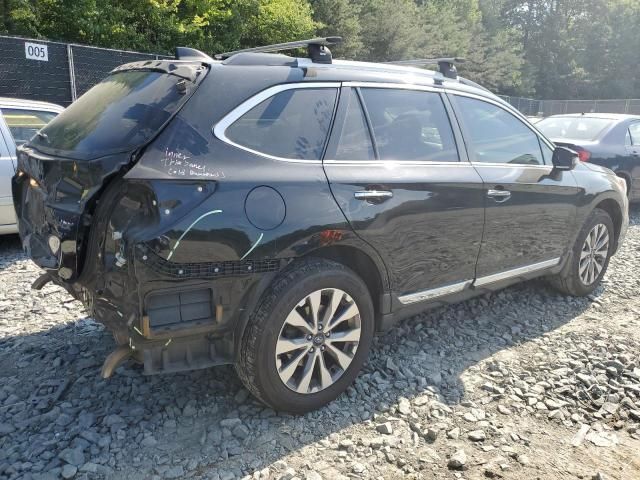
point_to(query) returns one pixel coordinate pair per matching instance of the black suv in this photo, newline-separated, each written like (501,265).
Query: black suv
(275,212)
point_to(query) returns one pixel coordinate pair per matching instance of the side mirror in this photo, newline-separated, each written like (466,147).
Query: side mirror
(564,158)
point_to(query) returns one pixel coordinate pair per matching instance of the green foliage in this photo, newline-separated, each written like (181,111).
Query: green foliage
(543,48)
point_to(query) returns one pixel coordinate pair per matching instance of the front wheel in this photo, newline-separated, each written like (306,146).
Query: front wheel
(308,338)
(590,256)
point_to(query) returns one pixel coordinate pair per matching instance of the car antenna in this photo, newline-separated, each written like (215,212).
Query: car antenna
(316,49)
(446,65)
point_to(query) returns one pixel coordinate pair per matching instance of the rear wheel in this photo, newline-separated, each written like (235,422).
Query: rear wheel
(590,256)
(308,338)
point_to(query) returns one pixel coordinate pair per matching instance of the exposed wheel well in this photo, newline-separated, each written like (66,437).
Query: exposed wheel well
(613,209)
(362,265)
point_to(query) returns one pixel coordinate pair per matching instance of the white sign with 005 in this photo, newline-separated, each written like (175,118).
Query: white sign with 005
(36,51)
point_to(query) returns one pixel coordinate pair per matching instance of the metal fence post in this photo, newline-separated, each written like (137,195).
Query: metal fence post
(72,73)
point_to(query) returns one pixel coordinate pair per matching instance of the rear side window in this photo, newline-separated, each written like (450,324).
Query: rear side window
(410,125)
(496,136)
(121,112)
(291,124)
(355,140)
(24,123)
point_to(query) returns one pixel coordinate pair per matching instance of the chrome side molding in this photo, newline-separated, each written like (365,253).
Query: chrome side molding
(425,295)
(433,293)
(516,272)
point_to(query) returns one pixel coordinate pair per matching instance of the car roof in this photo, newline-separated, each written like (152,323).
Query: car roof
(350,70)
(603,116)
(22,103)
(336,71)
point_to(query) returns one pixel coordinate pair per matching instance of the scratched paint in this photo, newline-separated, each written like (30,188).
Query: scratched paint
(212,212)
(253,247)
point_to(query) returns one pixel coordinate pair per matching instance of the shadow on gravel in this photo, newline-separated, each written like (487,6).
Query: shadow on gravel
(10,250)
(55,409)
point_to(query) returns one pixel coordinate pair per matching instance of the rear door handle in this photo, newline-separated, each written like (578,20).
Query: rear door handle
(373,195)
(499,195)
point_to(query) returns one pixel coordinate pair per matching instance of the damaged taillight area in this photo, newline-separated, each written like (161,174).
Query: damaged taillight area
(164,269)
(54,199)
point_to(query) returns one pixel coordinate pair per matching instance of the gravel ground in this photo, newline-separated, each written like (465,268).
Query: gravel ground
(524,384)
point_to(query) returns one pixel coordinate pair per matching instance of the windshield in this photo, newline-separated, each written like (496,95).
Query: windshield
(25,122)
(120,113)
(575,128)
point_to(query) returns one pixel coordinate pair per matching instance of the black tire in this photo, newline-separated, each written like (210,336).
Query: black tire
(568,281)
(256,365)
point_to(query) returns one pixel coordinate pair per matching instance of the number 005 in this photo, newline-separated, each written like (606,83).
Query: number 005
(35,51)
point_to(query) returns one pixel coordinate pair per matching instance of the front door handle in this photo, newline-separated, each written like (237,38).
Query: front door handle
(376,195)
(499,195)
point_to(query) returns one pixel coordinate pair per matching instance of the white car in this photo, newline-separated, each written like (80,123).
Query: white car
(19,121)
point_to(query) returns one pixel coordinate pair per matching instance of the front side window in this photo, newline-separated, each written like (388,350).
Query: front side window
(410,125)
(496,136)
(634,133)
(291,124)
(24,123)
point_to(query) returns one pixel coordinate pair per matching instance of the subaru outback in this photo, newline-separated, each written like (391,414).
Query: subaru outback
(276,213)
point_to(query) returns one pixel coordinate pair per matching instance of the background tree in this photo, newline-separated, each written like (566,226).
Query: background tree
(543,48)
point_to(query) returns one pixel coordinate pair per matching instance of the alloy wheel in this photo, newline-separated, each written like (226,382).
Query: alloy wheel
(593,256)
(318,341)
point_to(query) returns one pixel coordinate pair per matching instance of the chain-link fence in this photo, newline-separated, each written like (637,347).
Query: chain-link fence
(61,72)
(545,108)
(56,72)
(527,106)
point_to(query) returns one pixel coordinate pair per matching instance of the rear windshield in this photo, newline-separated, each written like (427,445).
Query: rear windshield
(575,128)
(25,122)
(120,113)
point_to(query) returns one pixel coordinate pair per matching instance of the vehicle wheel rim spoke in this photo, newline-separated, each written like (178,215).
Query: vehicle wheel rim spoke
(286,345)
(296,320)
(349,313)
(330,308)
(342,358)
(318,341)
(583,267)
(287,372)
(352,335)
(593,256)
(314,305)
(325,374)
(307,373)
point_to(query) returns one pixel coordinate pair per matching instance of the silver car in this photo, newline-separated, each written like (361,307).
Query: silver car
(19,121)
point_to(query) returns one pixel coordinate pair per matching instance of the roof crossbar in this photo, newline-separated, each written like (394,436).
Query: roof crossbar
(317,48)
(446,65)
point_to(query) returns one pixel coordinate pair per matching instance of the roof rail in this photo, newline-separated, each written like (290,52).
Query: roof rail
(186,53)
(316,47)
(446,65)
